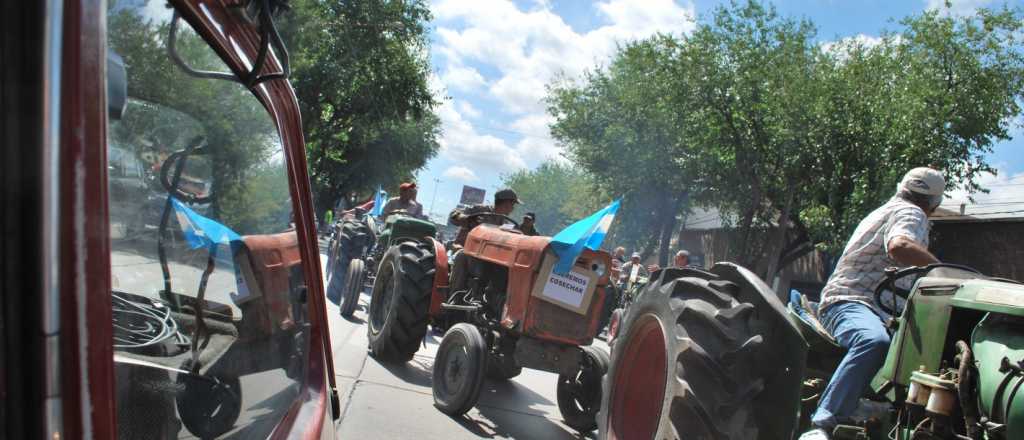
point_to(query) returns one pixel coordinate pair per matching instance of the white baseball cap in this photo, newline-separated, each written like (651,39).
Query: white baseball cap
(924,180)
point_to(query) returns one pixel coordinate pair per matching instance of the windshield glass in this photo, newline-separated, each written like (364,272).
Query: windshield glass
(210,321)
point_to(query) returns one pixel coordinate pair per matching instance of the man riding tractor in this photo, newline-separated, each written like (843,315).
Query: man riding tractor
(896,234)
(468,218)
(724,358)
(503,305)
(406,202)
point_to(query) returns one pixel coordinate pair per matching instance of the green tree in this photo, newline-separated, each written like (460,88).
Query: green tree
(558,193)
(751,116)
(360,72)
(620,126)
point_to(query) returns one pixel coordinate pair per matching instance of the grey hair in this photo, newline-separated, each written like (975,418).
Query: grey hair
(683,252)
(919,199)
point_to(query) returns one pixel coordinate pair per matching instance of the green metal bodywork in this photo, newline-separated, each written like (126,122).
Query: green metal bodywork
(399,226)
(999,392)
(923,334)
(941,311)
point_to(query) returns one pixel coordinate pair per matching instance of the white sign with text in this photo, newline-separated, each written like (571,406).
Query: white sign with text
(569,289)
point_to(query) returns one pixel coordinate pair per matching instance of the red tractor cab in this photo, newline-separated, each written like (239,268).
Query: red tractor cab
(161,269)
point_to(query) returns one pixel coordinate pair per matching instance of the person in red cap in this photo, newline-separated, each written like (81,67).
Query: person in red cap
(406,200)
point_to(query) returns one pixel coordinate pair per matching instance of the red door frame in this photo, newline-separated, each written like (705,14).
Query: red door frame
(87,379)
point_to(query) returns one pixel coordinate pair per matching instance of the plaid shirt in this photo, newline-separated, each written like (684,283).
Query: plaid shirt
(862,266)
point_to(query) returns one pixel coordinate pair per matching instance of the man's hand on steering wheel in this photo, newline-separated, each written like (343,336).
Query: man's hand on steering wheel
(483,217)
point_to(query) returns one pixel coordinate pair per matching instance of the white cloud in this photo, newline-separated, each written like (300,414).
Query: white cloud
(536,144)
(460,173)
(528,48)
(1005,197)
(458,77)
(461,143)
(957,7)
(841,45)
(466,108)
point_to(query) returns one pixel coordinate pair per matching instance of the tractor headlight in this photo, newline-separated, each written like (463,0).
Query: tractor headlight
(598,267)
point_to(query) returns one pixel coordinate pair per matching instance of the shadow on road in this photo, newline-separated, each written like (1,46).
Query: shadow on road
(415,372)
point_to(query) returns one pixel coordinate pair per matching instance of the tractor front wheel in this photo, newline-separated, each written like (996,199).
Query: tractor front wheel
(579,395)
(353,286)
(459,369)
(684,364)
(400,302)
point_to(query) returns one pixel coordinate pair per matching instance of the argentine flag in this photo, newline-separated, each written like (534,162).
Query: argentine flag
(587,233)
(378,202)
(200,231)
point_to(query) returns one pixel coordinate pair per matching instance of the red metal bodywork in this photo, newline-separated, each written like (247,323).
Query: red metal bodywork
(272,258)
(527,314)
(86,350)
(439,291)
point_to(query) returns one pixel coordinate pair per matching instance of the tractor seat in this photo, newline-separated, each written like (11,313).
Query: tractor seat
(803,313)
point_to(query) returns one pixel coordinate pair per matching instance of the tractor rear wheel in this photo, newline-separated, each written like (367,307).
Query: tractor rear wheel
(400,302)
(353,286)
(458,373)
(684,363)
(579,395)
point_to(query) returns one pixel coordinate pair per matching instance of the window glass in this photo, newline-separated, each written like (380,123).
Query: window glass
(209,312)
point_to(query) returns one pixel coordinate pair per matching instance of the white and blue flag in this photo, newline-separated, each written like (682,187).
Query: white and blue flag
(378,202)
(587,233)
(201,231)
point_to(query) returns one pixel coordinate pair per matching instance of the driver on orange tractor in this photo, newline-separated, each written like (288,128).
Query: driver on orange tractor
(896,234)
(406,200)
(504,202)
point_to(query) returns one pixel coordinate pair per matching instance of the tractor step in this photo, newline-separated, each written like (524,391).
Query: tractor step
(447,306)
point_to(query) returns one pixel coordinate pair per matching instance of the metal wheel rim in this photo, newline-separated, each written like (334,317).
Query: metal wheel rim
(641,376)
(381,301)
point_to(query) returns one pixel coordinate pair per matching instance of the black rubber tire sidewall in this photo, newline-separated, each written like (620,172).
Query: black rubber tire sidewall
(685,299)
(197,400)
(584,422)
(400,336)
(458,402)
(353,286)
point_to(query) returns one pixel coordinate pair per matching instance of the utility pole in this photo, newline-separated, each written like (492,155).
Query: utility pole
(434,197)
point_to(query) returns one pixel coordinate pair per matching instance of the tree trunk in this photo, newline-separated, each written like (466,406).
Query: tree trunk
(669,227)
(775,249)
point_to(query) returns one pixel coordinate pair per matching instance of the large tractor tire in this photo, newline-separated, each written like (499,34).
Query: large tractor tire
(458,374)
(400,302)
(354,238)
(579,395)
(354,280)
(685,363)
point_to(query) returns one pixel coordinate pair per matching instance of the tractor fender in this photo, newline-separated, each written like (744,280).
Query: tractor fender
(439,291)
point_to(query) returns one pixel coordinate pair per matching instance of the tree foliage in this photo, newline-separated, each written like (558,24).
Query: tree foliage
(360,72)
(557,192)
(750,115)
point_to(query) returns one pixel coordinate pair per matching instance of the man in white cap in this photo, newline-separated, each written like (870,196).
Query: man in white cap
(894,235)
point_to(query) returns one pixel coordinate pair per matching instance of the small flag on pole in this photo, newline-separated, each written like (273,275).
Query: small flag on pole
(378,202)
(587,233)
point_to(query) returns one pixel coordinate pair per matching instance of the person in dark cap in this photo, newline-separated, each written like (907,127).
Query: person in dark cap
(504,202)
(528,226)
(406,200)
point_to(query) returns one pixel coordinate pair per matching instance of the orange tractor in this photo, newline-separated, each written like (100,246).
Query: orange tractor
(504,309)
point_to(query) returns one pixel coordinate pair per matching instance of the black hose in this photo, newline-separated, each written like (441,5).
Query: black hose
(967,389)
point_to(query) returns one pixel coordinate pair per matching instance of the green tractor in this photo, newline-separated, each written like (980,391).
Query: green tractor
(725,359)
(361,243)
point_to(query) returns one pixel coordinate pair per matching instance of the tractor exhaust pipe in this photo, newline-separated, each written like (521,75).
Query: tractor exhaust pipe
(967,389)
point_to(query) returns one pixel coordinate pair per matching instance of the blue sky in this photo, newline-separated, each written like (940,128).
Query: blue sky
(492,59)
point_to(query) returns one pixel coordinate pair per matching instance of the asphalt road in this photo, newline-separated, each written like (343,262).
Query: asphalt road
(382,401)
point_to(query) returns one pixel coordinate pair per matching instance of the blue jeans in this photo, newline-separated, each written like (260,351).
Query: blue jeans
(861,332)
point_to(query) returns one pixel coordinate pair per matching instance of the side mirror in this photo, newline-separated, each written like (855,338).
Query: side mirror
(117,85)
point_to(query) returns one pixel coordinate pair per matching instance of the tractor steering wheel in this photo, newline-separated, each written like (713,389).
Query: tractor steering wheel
(893,274)
(493,218)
